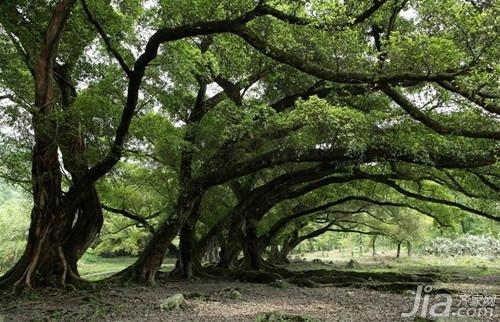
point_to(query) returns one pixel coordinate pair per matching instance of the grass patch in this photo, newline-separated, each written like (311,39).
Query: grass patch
(99,267)
(459,266)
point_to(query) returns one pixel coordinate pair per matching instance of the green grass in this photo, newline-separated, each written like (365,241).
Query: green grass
(98,267)
(95,268)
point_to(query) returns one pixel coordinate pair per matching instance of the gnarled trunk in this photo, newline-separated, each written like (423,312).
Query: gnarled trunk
(61,230)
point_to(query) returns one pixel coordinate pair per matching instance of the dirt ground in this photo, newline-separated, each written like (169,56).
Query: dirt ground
(143,304)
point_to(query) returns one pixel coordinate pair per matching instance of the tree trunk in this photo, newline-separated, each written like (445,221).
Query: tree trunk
(88,211)
(187,251)
(48,218)
(251,249)
(282,257)
(398,254)
(374,241)
(147,265)
(55,240)
(208,243)
(232,247)
(408,245)
(229,255)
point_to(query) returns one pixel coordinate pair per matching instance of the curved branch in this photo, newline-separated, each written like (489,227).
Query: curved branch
(322,72)
(135,80)
(408,193)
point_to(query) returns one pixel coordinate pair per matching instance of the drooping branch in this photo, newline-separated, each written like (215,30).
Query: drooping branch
(281,224)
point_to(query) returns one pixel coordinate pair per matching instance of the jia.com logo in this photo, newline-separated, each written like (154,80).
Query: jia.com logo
(443,304)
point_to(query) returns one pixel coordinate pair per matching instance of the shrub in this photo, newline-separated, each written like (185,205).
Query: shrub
(468,245)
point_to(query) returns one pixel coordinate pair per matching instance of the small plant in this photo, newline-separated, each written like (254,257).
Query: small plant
(174,302)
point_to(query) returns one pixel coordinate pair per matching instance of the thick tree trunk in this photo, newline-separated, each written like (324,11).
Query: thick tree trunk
(85,230)
(147,265)
(207,247)
(55,240)
(212,253)
(48,218)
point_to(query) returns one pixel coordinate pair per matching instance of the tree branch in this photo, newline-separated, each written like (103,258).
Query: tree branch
(322,72)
